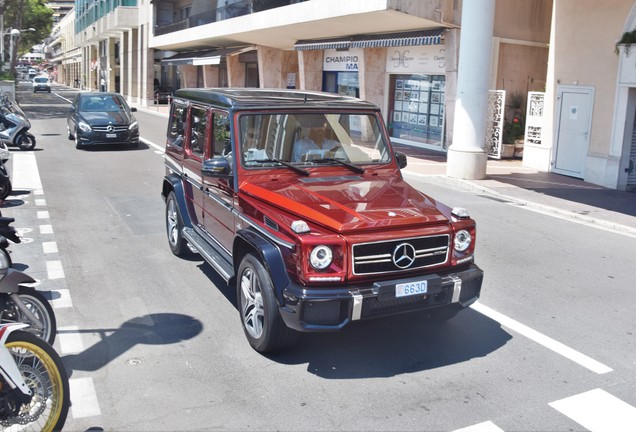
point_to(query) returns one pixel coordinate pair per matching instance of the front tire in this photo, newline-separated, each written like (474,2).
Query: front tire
(39,306)
(44,374)
(262,323)
(174,226)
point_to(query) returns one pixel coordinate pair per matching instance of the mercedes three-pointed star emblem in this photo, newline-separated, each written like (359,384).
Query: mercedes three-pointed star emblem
(404,255)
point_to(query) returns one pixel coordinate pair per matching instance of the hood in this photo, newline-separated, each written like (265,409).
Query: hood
(121,118)
(347,203)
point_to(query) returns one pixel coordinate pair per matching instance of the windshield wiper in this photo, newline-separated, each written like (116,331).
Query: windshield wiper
(287,164)
(351,166)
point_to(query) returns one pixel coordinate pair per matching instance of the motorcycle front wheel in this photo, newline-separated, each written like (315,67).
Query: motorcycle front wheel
(25,141)
(39,306)
(44,374)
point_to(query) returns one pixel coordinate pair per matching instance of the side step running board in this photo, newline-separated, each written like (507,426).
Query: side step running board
(214,258)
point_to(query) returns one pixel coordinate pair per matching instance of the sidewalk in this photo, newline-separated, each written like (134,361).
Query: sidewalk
(508,180)
(547,192)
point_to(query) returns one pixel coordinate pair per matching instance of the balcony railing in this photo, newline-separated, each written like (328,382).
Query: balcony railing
(233,10)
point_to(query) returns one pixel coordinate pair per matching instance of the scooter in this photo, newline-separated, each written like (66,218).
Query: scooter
(14,125)
(24,304)
(5,182)
(34,386)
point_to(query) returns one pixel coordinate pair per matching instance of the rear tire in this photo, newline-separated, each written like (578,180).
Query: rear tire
(5,189)
(25,141)
(174,226)
(258,308)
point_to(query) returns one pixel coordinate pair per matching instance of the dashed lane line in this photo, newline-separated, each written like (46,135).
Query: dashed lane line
(542,339)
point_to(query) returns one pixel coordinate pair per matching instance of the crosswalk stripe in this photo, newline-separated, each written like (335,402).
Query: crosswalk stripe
(598,411)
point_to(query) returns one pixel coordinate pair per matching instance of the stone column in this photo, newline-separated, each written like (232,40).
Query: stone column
(466,155)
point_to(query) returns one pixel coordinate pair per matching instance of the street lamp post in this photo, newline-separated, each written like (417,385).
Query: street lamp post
(13,35)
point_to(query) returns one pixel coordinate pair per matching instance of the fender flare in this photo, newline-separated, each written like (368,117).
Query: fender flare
(11,282)
(172,183)
(271,257)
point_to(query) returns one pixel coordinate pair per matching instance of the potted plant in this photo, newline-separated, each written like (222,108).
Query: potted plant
(627,39)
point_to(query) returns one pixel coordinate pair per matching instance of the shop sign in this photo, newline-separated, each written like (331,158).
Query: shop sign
(429,59)
(342,61)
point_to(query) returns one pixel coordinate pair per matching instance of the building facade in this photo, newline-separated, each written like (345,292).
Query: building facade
(400,54)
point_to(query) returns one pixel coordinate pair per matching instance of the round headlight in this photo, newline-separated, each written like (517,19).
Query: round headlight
(321,257)
(462,240)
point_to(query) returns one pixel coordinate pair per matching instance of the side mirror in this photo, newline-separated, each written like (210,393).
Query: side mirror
(216,167)
(71,108)
(401,159)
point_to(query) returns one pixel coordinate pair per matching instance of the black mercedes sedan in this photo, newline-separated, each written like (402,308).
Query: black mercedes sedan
(102,118)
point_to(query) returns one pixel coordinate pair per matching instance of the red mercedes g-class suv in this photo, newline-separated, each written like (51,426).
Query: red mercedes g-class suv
(297,198)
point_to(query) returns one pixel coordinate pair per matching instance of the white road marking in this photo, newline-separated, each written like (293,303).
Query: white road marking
(40,202)
(61,299)
(25,174)
(44,214)
(70,340)
(151,144)
(54,270)
(49,247)
(46,229)
(481,427)
(598,411)
(542,339)
(83,398)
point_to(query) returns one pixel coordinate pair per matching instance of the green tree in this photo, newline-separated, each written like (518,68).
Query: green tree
(25,14)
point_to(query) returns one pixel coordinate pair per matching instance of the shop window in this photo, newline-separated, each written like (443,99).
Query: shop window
(416,108)
(344,83)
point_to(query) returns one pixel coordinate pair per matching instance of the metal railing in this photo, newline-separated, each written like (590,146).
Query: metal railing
(233,10)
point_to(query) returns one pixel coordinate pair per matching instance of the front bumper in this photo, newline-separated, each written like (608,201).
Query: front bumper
(329,309)
(104,138)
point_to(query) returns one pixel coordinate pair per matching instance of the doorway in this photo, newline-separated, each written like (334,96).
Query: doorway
(574,122)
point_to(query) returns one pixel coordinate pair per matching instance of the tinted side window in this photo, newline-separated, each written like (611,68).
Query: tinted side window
(221,134)
(176,124)
(198,137)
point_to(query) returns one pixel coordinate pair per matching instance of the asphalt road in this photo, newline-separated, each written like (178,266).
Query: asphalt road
(153,342)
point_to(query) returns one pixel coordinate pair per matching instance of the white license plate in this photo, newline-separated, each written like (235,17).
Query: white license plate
(411,288)
(111,135)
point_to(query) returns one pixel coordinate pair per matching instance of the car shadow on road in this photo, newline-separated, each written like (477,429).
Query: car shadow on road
(152,329)
(396,345)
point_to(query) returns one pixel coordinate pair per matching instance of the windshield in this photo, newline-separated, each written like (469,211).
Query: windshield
(107,103)
(302,138)
(41,80)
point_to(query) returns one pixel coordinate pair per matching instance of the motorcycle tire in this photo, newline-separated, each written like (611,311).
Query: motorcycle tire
(39,306)
(5,189)
(44,373)
(25,141)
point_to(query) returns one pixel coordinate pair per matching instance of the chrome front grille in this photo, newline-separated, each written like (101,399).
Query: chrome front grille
(400,255)
(113,129)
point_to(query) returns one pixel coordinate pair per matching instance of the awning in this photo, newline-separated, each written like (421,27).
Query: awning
(198,58)
(421,37)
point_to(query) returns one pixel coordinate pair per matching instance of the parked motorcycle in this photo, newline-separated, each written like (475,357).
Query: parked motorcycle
(14,125)
(25,304)
(5,182)
(34,387)
(7,232)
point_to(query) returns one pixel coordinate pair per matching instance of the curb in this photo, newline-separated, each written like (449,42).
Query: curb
(474,187)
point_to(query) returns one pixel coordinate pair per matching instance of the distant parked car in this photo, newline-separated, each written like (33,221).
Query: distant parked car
(102,118)
(163,94)
(41,83)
